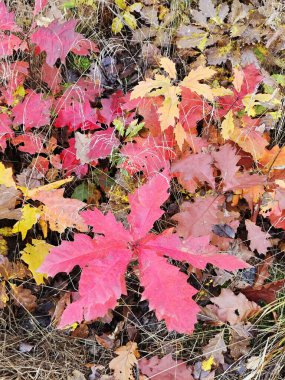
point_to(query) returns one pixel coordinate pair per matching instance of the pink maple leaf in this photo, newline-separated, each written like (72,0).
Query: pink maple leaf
(57,40)
(150,155)
(9,43)
(6,131)
(105,258)
(39,6)
(194,169)
(33,112)
(7,19)
(70,162)
(15,74)
(258,238)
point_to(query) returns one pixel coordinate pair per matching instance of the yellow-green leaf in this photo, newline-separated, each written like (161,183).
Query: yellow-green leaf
(228,125)
(34,255)
(121,4)
(117,25)
(130,20)
(30,216)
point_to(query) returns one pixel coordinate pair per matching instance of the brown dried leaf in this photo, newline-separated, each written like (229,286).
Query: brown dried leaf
(10,270)
(3,295)
(266,292)
(23,297)
(8,200)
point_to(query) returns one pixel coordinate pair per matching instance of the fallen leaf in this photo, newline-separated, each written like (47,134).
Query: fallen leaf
(233,308)
(125,363)
(258,238)
(165,368)
(266,292)
(30,216)
(23,297)
(215,349)
(34,255)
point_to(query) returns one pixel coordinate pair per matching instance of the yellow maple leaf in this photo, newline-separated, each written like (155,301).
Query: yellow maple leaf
(238,78)
(169,109)
(6,176)
(207,363)
(228,125)
(30,217)
(180,135)
(30,193)
(169,67)
(34,255)
(192,81)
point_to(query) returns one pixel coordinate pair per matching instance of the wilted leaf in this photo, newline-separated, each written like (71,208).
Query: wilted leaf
(232,308)
(126,361)
(23,297)
(165,368)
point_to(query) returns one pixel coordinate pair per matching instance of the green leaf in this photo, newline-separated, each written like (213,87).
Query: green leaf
(134,128)
(119,126)
(81,192)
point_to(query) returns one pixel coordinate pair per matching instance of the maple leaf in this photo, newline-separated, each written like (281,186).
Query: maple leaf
(57,40)
(76,115)
(33,255)
(150,156)
(124,363)
(6,176)
(52,76)
(33,112)
(7,19)
(227,304)
(192,81)
(60,212)
(192,108)
(165,368)
(9,43)
(194,169)
(104,260)
(228,125)
(5,130)
(258,238)
(30,216)
(251,78)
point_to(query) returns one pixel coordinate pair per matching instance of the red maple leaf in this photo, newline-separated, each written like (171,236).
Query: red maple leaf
(104,261)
